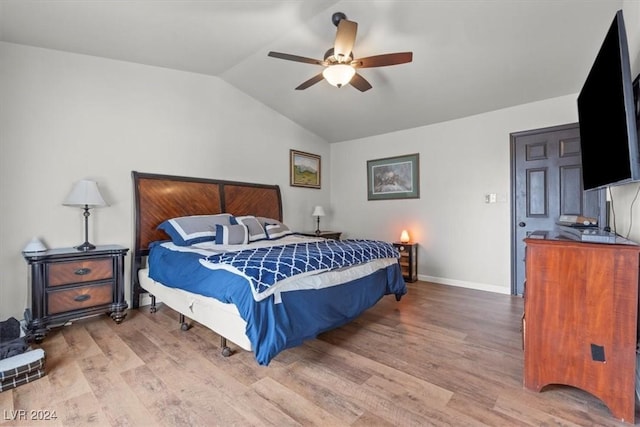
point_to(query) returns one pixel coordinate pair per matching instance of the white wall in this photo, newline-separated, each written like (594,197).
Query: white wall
(631,11)
(65,117)
(462,240)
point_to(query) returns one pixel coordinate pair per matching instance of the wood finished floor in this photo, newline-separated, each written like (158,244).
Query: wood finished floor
(442,356)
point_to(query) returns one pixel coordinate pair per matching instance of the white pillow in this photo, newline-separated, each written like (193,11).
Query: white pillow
(256,231)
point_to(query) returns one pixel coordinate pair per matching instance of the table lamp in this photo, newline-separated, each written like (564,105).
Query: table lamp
(86,195)
(318,211)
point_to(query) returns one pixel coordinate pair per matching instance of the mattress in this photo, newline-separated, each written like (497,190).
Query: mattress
(222,318)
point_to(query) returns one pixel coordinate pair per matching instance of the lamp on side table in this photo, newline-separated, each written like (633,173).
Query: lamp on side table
(85,194)
(318,211)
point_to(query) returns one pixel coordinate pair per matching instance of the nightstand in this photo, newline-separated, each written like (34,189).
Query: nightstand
(68,284)
(335,235)
(408,260)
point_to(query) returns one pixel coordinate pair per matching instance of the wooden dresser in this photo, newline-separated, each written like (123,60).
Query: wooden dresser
(68,284)
(580,320)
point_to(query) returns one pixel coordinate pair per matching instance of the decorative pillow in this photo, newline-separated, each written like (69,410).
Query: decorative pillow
(256,230)
(236,234)
(274,228)
(189,230)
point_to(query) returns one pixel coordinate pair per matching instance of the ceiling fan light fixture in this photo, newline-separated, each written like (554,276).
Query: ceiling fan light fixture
(340,62)
(339,75)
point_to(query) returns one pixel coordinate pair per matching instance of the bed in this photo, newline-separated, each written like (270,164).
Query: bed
(205,282)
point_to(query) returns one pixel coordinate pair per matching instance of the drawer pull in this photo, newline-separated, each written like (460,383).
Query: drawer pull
(82,271)
(82,298)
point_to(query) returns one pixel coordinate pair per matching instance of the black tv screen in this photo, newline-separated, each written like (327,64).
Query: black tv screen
(607,115)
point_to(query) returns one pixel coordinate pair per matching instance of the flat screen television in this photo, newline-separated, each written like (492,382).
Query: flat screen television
(607,115)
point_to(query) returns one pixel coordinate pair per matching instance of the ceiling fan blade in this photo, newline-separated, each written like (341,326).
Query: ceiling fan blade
(296,58)
(345,38)
(360,83)
(383,60)
(313,80)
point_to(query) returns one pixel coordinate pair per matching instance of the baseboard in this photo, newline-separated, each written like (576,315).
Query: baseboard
(465,284)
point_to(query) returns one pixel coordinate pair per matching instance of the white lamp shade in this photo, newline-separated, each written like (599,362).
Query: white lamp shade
(404,236)
(34,245)
(318,211)
(339,74)
(83,193)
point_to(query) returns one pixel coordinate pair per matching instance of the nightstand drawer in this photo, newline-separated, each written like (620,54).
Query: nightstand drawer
(78,298)
(65,273)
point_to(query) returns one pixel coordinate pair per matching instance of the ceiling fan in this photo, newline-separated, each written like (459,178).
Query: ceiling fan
(339,62)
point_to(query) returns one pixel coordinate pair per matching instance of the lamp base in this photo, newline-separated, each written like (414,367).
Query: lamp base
(86,246)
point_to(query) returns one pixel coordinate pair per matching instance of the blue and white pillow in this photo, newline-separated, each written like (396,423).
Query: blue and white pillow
(274,228)
(189,230)
(235,234)
(256,230)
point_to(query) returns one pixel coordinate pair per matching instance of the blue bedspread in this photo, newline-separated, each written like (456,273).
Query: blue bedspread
(264,267)
(271,327)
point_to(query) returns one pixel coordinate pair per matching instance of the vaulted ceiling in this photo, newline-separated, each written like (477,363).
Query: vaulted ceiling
(469,56)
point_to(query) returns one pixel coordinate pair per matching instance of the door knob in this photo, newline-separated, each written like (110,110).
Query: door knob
(522,224)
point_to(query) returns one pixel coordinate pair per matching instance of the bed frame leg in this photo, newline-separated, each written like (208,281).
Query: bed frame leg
(226,351)
(153,307)
(183,324)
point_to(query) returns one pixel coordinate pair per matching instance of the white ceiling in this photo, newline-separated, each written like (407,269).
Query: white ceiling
(469,56)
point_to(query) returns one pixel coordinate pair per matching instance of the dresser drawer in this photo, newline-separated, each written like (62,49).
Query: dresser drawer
(64,273)
(78,298)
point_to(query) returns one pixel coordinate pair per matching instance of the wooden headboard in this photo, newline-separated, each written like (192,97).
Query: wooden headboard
(161,197)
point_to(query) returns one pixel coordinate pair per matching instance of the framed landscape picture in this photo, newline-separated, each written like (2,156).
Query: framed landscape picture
(394,178)
(305,169)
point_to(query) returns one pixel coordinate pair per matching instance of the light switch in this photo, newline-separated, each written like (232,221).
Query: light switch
(490,198)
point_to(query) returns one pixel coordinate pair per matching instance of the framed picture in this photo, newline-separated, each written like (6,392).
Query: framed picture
(394,178)
(305,169)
